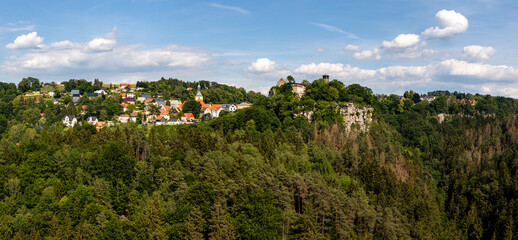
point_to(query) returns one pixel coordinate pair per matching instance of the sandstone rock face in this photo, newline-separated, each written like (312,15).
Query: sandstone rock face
(352,114)
(356,116)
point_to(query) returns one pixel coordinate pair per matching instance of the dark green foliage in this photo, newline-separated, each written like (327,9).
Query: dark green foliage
(193,107)
(444,169)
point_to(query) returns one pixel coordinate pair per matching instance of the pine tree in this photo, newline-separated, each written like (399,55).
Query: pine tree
(194,225)
(220,227)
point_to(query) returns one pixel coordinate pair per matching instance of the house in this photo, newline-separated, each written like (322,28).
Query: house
(36,91)
(123,95)
(101,91)
(133,116)
(51,93)
(83,109)
(160,120)
(100,125)
(92,120)
(128,101)
(124,107)
(75,93)
(243,105)
(187,117)
(124,85)
(159,101)
(280,82)
(55,101)
(149,101)
(299,89)
(216,109)
(164,114)
(204,111)
(92,95)
(75,99)
(69,120)
(141,99)
(173,121)
(229,107)
(124,118)
(146,96)
(130,95)
(175,103)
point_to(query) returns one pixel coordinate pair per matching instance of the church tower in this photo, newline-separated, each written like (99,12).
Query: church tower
(198,96)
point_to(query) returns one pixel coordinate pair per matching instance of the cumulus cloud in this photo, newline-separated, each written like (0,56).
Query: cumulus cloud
(450,23)
(368,54)
(25,41)
(262,65)
(484,78)
(104,55)
(353,48)
(456,67)
(477,52)
(101,44)
(402,41)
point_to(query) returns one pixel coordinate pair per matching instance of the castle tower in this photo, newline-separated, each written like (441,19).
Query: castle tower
(326,78)
(198,96)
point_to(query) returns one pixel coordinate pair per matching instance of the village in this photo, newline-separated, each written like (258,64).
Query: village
(138,107)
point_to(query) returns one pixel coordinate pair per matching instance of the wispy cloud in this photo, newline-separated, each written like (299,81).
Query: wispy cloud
(236,9)
(334,29)
(16,29)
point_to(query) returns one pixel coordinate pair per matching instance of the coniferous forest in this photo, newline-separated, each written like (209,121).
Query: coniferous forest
(441,169)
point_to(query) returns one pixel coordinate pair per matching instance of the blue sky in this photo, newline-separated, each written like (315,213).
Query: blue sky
(389,46)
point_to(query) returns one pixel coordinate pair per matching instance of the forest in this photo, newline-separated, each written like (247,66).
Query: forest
(262,172)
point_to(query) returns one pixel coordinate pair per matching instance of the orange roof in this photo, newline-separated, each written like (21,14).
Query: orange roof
(159,118)
(188,115)
(125,84)
(164,112)
(180,107)
(216,106)
(167,108)
(149,100)
(124,115)
(123,94)
(203,105)
(100,124)
(124,105)
(84,107)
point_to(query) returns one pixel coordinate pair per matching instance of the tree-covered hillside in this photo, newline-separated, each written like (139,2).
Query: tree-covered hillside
(440,169)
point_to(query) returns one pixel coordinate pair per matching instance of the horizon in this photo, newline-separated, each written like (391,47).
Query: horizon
(388,46)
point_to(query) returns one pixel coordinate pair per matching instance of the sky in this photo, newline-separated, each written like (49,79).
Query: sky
(389,46)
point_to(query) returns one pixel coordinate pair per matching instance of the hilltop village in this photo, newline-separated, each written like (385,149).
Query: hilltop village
(142,108)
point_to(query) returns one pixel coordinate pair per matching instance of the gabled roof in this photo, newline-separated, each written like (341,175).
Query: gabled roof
(91,118)
(74,92)
(134,114)
(149,100)
(125,84)
(164,112)
(159,118)
(146,96)
(124,115)
(124,105)
(188,115)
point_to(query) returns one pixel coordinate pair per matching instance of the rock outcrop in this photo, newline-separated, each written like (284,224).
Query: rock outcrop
(353,115)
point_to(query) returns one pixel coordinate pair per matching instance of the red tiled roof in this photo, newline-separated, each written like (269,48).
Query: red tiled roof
(188,115)
(124,115)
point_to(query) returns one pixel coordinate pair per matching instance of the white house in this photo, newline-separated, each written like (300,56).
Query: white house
(51,93)
(92,120)
(133,116)
(124,118)
(69,120)
(130,95)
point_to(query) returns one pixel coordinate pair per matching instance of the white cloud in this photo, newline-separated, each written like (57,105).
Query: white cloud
(321,50)
(477,52)
(352,48)
(101,44)
(262,65)
(104,55)
(456,67)
(24,41)
(402,41)
(450,23)
(452,73)
(334,29)
(368,54)
(235,9)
